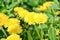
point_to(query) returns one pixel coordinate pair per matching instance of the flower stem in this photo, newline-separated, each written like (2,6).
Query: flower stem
(29,35)
(3,31)
(37,31)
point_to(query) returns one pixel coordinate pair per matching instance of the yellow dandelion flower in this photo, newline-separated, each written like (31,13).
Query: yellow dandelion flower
(29,18)
(14,37)
(57,31)
(12,21)
(3,19)
(58,13)
(40,18)
(48,4)
(45,6)
(14,29)
(41,8)
(21,11)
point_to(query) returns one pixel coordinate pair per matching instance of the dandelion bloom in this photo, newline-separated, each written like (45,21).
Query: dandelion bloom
(21,12)
(40,18)
(48,4)
(14,29)
(14,37)
(45,6)
(3,19)
(29,18)
(12,21)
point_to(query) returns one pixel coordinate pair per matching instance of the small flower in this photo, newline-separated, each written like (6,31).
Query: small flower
(58,13)
(14,29)
(14,37)
(57,31)
(29,18)
(40,18)
(3,19)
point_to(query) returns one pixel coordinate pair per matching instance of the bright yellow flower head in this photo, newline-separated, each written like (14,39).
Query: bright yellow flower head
(12,21)
(14,29)
(48,4)
(41,8)
(58,13)
(40,18)
(21,11)
(3,19)
(57,31)
(29,18)
(14,37)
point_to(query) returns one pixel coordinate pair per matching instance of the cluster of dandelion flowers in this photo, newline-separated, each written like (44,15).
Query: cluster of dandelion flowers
(13,26)
(40,18)
(14,37)
(3,19)
(29,18)
(21,12)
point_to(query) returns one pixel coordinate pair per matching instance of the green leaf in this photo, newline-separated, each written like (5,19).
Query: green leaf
(51,33)
(33,2)
(29,35)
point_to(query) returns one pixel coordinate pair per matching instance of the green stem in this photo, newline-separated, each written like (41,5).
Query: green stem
(29,35)
(42,33)
(37,31)
(3,31)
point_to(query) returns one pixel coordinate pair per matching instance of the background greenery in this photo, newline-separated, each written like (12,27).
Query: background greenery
(7,7)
